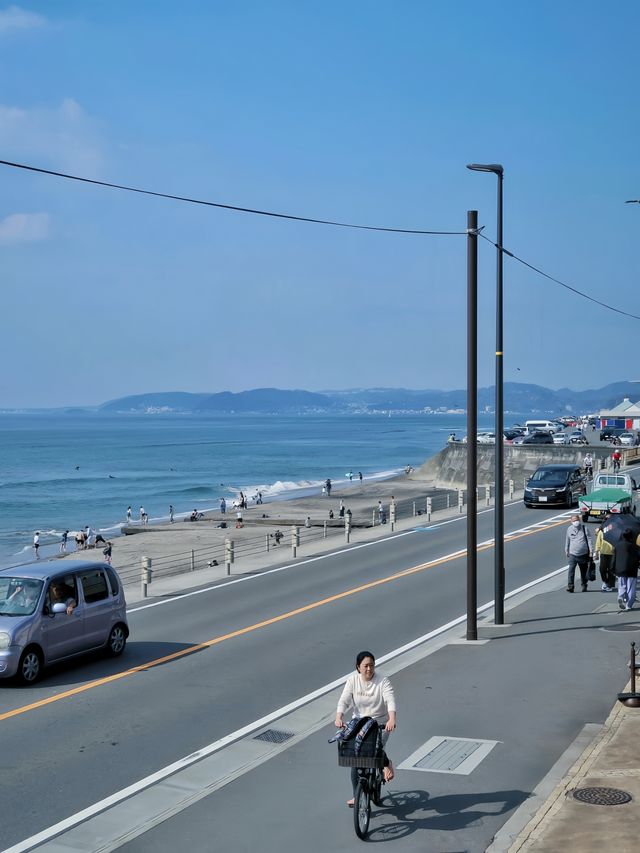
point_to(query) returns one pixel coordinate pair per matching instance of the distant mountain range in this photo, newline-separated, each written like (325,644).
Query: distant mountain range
(518,397)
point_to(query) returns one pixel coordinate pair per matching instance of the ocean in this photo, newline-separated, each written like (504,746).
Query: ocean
(61,472)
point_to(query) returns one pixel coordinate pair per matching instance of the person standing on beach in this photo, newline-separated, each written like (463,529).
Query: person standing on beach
(129,515)
(36,544)
(107,552)
(328,487)
(142,515)
(360,476)
(381,513)
(223,506)
(63,542)
(171,513)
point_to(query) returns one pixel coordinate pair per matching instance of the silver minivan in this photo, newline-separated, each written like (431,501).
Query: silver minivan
(50,612)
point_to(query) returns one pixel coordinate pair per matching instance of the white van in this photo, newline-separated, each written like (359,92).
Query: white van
(542,426)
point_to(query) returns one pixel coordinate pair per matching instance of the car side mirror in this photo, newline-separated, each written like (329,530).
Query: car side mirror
(58,607)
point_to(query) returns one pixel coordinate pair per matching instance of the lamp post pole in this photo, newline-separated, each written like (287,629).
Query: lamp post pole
(499,581)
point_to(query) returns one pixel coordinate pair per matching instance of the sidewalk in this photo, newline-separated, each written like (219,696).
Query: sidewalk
(610,761)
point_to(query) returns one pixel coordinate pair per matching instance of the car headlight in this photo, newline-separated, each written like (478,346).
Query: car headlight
(5,640)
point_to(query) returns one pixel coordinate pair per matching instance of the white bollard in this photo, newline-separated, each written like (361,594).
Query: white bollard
(511,489)
(295,540)
(347,529)
(193,560)
(460,504)
(229,554)
(487,492)
(428,509)
(266,542)
(146,575)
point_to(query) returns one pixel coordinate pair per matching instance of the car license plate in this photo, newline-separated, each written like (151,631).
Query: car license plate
(595,512)
(543,499)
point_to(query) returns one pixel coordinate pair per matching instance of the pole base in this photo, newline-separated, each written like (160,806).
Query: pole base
(631,700)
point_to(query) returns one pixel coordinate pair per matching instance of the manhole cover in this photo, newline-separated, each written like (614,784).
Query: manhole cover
(602,796)
(629,627)
(274,736)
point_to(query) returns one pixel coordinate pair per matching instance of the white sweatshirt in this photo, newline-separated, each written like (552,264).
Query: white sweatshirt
(368,698)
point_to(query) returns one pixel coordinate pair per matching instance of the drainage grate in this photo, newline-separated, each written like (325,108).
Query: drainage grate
(274,736)
(449,755)
(602,796)
(622,628)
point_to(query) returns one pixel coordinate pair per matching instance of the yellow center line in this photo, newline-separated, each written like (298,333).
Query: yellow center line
(197,647)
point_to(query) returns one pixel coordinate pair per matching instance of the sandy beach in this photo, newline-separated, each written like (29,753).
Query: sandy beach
(167,542)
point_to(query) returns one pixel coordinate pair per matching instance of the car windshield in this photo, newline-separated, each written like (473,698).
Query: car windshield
(550,478)
(19,596)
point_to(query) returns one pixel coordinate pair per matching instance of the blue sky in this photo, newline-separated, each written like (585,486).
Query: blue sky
(361,111)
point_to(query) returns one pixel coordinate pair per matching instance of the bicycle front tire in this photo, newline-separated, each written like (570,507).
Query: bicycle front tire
(361,809)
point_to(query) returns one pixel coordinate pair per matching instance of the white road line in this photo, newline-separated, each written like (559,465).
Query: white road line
(182,763)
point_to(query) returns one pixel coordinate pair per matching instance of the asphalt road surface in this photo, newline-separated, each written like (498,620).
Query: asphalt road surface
(226,659)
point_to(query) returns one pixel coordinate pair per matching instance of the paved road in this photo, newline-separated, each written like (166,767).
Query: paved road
(238,652)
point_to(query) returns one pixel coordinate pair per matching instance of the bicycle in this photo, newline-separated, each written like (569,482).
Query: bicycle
(369,765)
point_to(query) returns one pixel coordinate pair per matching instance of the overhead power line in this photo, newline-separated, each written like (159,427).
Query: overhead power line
(562,283)
(217,204)
(313,220)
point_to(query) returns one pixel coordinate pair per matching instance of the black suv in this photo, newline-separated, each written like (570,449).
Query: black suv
(555,484)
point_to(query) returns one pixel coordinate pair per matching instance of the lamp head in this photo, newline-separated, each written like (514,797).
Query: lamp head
(496,168)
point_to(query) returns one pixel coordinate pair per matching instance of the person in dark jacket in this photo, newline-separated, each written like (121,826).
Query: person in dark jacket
(626,568)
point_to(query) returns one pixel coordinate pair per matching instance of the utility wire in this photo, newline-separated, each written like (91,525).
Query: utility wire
(561,283)
(223,206)
(312,220)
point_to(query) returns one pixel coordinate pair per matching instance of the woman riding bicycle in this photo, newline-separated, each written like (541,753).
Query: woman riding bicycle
(370,695)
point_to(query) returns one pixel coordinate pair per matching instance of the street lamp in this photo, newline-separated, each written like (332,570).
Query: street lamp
(498,619)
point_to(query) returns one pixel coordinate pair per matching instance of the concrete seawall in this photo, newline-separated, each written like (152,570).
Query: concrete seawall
(448,468)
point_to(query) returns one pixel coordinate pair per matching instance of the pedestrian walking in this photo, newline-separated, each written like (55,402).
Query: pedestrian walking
(128,515)
(578,550)
(107,552)
(626,568)
(63,542)
(360,476)
(604,553)
(239,522)
(381,513)
(36,544)
(171,513)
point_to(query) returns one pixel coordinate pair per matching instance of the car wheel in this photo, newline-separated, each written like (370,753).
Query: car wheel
(30,666)
(117,641)
(570,500)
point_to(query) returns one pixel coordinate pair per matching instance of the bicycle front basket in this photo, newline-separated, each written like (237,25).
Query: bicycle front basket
(370,754)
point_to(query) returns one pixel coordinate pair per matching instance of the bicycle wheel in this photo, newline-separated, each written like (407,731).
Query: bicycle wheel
(376,788)
(361,809)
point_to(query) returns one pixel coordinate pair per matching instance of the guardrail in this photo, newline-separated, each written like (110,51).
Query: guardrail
(293,540)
